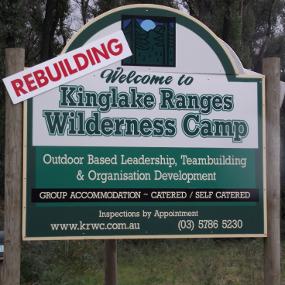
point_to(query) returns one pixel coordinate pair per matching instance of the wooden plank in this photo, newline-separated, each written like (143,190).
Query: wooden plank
(110,262)
(271,69)
(14,62)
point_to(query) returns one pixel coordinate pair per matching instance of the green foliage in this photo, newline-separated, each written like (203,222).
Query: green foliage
(248,26)
(102,6)
(205,262)
(225,17)
(147,262)
(62,262)
(12,22)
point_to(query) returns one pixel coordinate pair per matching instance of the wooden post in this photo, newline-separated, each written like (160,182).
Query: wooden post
(271,69)
(14,62)
(110,262)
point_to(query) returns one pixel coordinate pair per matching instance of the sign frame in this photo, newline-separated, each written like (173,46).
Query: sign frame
(237,74)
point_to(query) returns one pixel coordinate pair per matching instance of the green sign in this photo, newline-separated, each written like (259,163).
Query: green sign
(165,143)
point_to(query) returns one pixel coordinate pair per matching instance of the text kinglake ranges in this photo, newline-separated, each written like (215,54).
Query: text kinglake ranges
(73,122)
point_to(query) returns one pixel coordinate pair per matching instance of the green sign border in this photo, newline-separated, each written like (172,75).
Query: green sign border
(231,71)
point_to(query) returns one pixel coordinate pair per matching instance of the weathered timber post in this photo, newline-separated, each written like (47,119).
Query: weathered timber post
(14,62)
(271,69)
(110,262)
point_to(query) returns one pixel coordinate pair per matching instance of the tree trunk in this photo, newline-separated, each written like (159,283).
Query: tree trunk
(48,30)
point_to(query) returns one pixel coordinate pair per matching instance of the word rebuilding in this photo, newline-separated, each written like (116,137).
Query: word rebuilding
(64,68)
(72,120)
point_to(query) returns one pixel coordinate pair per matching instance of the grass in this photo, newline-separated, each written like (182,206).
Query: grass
(147,262)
